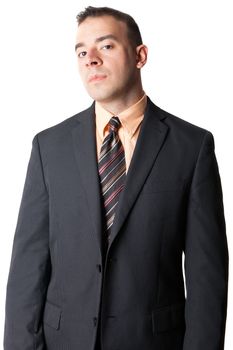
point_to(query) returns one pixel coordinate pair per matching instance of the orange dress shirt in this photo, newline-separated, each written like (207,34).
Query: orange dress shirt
(130,119)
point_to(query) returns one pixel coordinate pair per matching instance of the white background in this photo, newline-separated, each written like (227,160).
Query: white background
(189,74)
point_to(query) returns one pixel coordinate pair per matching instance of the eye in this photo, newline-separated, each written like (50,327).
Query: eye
(107,47)
(82,54)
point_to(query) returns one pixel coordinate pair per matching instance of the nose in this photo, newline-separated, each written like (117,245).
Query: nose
(93,60)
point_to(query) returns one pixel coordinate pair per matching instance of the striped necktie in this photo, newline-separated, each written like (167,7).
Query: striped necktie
(112,171)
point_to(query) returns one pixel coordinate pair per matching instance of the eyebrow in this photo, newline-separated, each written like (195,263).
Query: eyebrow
(97,40)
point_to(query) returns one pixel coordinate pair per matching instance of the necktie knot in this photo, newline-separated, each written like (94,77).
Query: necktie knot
(114,124)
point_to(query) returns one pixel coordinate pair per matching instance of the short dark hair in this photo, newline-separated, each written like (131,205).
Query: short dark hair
(133,29)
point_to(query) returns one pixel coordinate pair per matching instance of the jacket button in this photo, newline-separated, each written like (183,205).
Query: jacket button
(95,321)
(98,267)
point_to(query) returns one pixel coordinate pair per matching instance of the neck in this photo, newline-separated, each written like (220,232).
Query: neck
(120,104)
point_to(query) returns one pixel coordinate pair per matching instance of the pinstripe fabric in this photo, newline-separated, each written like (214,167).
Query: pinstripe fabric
(112,171)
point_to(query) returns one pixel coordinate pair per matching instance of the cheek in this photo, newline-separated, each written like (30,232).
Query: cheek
(80,67)
(116,63)
(119,71)
(121,66)
(82,73)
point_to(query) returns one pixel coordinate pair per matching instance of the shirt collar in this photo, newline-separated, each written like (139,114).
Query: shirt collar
(129,118)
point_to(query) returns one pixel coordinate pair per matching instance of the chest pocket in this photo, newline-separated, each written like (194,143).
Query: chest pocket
(163,186)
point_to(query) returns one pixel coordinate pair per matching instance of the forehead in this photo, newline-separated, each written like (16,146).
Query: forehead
(94,27)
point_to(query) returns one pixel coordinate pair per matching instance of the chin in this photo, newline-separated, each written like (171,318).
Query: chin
(100,96)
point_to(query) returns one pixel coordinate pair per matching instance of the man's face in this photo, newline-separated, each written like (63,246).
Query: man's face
(106,60)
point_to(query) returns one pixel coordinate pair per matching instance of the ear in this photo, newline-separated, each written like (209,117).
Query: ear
(141,55)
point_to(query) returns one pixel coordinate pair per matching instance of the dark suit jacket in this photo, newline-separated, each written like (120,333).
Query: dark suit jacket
(61,285)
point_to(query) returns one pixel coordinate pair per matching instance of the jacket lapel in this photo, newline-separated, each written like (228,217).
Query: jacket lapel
(84,142)
(150,140)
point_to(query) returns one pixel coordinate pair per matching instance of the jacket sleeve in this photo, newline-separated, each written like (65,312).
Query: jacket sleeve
(29,271)
(206,256)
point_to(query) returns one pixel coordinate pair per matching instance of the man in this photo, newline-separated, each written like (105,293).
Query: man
(112,199)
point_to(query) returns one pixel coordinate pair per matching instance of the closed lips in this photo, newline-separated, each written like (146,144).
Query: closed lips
(96,77)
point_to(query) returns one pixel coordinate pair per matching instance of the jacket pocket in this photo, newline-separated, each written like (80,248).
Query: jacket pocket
(52,315)
(168,317)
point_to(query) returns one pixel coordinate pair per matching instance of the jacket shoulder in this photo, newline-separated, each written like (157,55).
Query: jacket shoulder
(180,124)
(183,135)
(183,132)
(62,128)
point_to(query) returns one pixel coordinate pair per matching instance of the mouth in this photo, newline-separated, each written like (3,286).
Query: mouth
(96,77)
